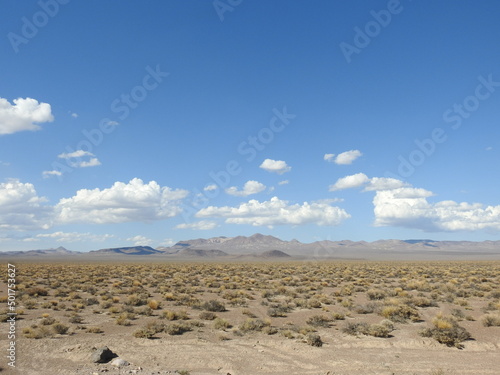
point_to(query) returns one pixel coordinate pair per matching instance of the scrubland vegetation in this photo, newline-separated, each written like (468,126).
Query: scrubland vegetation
(447,302)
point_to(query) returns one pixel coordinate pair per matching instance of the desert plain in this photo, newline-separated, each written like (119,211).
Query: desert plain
(262,317)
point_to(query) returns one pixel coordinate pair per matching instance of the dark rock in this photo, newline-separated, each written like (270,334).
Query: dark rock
(103,355)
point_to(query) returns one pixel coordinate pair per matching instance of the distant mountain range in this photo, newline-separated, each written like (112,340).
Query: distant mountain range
(267,247)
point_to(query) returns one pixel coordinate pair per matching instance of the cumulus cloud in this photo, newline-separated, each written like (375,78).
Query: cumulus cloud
(74,237)
(134,201)
(250,187)
(21,208)
(409,207)
(275,166)
(349,182)
(140,240)
(344,158)
(284,182)
(24,114)
(277,212)
(198,225)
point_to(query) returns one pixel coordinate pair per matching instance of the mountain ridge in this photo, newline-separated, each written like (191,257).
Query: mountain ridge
(217,247)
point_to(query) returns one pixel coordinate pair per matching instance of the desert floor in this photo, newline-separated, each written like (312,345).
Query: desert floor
(256,318)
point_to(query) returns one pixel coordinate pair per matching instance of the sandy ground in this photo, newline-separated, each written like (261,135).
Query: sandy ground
(405,353)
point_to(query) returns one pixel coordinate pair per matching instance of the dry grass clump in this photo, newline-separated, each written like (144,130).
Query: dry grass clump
(213,306)
(175,315)
(446,331)
(314,340)
(251,325)
(207,315)
(400,313)
(319,321)
(491,320)
(382,329)
(222,324)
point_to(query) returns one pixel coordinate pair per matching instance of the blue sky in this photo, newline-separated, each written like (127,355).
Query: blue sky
(127,122)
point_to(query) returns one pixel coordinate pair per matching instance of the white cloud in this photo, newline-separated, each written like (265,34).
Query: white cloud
(408,207)
(277,212)
(21,208)
(210,187)
(275,166)
(140,240)
(384,183)
(250,187)
(167,242)
(74,115)
(74,237)
(344,158)
(134,201)
(347,157)
(24,115)
(93,162)
(74,154)
(78,154)
(47,174)
(284,182)
(198,225)
(351,181)
(329,157)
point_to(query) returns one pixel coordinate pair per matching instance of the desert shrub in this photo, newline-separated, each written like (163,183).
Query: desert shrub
(379,330)
(107,305)
(278,311)
(145,310)
(47,321)
(91,301)
(457,313)
(338,316)
(269,330)
(314,340)
(37,332)
(123,320)
(220,323)
(60,328)
(213,306)
(376,294)
(136,300)
(30,304)
(76,319)
(177,328)
(423,302)
(154,304)
(252,325)
(368,308)
(319,321)
(446,331)
(491,320)
(355,328)
(287,333)
(314,304)
(175,315)
(36,291)
(400,313)
(144,333)
(207,315)
(94,330)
